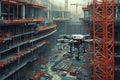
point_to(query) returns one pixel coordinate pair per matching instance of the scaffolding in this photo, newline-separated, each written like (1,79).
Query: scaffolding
(103,39)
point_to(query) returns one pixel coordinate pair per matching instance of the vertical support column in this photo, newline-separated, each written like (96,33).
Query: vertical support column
(0,9)
(87,17)
(18,51)
(66,5)
(118,36)
(48,12)
(8,11)
(23,12)
(34,13)
(31,12)
(1,17)
(76,9)
(116,12)
(26,11)
(32,46)
(63,14)
(85,14)
(17,11)
(37,11)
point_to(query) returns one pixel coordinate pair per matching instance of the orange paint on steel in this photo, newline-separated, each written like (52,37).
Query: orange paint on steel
(11,2)
(37,76)
(86,8)
(2,37)
(47,28)
(21,21)
(1,64)
(36,6)
(103,27)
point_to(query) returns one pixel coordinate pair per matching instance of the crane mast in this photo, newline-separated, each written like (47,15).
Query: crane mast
(103,27)
(66,5)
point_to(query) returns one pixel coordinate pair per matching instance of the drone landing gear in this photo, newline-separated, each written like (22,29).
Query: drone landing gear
(78,55)
(77,58)
(70,51)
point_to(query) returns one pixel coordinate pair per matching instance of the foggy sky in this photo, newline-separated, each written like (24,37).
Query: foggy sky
(72,8)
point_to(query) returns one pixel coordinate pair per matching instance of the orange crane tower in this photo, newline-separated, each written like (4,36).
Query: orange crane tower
(103,27)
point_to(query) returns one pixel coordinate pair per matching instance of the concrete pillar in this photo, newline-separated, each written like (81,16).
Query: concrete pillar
(116,13)
(87,15)
(0,8)
(35,13)
(9,12)
(17,11)
(48,14)
(63,14)
(31,13)
(23,12)
(18,51)
(32,45)
(118,36)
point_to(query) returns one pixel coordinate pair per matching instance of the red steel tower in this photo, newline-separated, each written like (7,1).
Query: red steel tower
(103,27)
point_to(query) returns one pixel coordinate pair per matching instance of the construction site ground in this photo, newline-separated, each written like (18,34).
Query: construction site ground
(57,62)
(61,65)
(75,70)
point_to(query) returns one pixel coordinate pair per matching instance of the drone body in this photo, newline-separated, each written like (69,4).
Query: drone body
(74,38)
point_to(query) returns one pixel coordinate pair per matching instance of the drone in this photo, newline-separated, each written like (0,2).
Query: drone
(75,40)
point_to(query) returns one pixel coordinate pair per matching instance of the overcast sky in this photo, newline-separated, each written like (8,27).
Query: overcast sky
(72,8)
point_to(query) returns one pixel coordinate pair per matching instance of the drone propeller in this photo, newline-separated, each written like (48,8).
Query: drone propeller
(66,40)
(65,36)
(88,40)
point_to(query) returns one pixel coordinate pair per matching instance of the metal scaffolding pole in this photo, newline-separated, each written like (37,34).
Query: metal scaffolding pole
(0,8)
